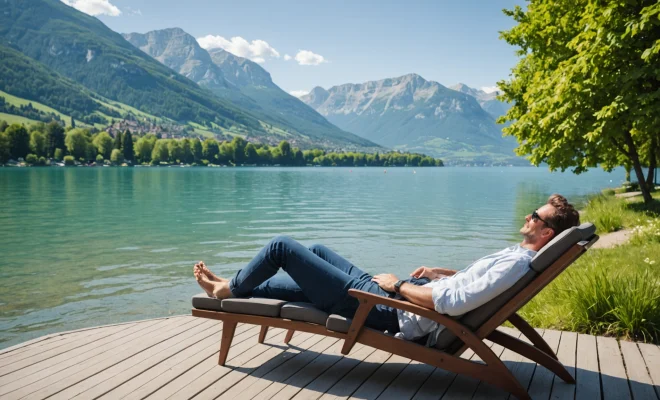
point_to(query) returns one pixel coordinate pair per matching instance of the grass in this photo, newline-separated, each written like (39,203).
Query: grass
(16,119)
(616,291)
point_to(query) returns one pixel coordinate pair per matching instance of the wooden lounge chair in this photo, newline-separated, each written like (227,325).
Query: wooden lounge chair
(461,333)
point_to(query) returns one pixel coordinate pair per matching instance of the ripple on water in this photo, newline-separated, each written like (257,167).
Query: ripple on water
(209,223)
(130,248)
(166,250)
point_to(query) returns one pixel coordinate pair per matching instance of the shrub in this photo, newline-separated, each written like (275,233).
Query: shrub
(609,192)
(607,213)
(31,159)
(42,161)
(59,153)
(99,159)
(117,156)
(69,160)
(205,163)
(646,233)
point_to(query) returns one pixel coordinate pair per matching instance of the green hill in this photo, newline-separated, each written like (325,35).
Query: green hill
(83,49)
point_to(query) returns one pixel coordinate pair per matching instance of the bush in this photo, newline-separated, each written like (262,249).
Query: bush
(647,232)
(205,163)
(31,159)
(611,291)
(609,192)
(607,213)
(42,161)
(99,159)
(117,157)
(59,153)
(69,160)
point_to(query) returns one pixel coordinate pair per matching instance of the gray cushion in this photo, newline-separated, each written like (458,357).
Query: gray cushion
(204,302)
(338,323)
(303,312)
(253,306)
(559,245)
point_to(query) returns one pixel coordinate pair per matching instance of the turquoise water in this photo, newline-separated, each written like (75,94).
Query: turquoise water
(91,246)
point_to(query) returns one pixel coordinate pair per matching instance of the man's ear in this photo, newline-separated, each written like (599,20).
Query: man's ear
(548,233)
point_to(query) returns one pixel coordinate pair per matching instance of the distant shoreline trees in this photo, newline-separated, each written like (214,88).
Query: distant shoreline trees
(79,144)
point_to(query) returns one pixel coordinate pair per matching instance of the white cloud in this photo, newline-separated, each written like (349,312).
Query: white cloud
(287,57)
(132,11)
(298,93)
(94,7)
(257,50)
(490,89)
(306,57)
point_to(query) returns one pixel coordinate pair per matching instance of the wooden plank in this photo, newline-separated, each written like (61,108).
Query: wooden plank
(483,389)
(612,372)
(243,374)
(541,385)
(305,376)
(640,381)
(84,366)
(240,380)
(352,381)
(286,370)
(587,377)
(333,375)
(651,355)
(23,360)
(376,383)
(175,371)
(566,355)
(119,373)
(409,380)
(38,374)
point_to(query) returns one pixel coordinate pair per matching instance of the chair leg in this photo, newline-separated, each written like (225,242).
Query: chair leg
(289,335)
(262,333)
(228,329)
(531,334)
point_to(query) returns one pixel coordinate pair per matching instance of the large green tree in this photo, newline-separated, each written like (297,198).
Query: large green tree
(586,90)
(19,140)
(104,144)
(54,138)
(127,145)
(77,141)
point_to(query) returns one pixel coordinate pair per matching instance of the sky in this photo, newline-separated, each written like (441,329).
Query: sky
(308,43)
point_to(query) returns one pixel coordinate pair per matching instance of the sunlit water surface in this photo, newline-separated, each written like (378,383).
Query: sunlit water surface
(90,246)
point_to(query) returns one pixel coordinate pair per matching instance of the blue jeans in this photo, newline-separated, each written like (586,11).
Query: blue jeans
(316,275)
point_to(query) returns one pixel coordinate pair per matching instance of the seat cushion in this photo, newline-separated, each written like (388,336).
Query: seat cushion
(204,302)
(559,245)
(253,306)
(303,312)
(338,323)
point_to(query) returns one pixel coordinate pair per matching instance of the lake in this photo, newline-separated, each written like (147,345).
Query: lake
(90,246)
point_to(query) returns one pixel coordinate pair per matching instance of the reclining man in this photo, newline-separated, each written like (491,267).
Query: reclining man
(318,275)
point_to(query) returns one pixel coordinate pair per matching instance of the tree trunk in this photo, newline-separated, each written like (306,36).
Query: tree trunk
(637,166)
(652,164)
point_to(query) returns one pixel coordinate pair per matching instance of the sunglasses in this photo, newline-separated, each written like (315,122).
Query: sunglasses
(536,217)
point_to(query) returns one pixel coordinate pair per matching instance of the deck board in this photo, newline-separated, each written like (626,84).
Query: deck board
(177,358)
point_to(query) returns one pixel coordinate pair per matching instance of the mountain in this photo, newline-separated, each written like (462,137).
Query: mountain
(413,114)
(487,101)
(83,49)
(244,83)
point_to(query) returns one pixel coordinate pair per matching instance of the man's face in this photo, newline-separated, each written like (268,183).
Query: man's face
(532,229)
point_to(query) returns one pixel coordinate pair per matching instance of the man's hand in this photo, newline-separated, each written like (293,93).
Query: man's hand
(432,273)
(386,281)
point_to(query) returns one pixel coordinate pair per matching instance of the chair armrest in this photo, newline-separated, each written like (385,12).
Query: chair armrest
(443,319)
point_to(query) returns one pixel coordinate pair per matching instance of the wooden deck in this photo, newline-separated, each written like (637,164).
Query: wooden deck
(176,358)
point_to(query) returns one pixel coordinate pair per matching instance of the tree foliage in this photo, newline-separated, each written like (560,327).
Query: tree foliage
(586,90)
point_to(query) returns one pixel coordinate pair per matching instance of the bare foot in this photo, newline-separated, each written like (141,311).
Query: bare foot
(219,290)
(210,274)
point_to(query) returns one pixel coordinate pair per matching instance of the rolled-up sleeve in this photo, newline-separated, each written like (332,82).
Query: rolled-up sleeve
(454,299)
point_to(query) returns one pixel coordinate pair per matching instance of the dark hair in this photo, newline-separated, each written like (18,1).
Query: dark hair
(564,216)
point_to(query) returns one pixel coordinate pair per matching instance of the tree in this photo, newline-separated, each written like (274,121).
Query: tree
(76,142)
(127,145)
(38,143)
(117,142)
(73,123)
(3,125)
(54,138)
(285,150)
(210,150)
(175,151)
(238,143)
(585,90)
(58,154)
(117,156)
(5,153)
(103,144)
(143,149)
(19,140)
(251,156)
(187,151)
(197,150)
(160,152)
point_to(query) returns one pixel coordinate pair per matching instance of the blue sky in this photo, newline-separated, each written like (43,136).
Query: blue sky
(324,43)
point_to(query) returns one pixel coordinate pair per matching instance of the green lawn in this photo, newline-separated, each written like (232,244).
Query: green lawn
(17,101)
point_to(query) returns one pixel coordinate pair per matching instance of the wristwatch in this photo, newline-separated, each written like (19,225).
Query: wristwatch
(397,285)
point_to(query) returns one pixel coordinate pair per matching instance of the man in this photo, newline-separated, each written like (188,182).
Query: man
(322,277)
